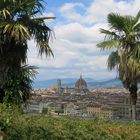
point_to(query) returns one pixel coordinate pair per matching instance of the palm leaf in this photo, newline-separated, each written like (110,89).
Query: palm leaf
(43,18)
(109,34)
(116,22)
(45,49)
(16,30)
(137,17)
(136,52)
(4,13)
(110,44)
(113,60)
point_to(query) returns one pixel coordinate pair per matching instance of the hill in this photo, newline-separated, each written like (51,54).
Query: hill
(70,82)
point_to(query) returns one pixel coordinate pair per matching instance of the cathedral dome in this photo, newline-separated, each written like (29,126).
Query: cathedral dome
(81,83)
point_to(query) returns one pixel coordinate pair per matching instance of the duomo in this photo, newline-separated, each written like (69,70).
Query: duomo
(80,87)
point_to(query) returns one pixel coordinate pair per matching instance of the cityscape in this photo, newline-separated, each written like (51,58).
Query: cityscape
(69,69)
(81,101)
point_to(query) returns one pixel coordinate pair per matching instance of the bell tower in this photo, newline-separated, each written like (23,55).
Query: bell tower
(59,86)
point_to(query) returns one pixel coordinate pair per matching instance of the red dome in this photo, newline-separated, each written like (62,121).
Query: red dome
(81,83)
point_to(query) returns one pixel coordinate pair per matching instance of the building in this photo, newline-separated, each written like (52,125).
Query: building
(98,110)
(80,87)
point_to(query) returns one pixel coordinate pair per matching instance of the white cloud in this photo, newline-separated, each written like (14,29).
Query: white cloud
(99,9)
(75,52)
(75,44)
(70,6)
(69,11)
(75,32)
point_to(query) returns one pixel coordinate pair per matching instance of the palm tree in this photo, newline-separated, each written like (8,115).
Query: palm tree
(128,77)
(20,84)
(20,22)
(123,37)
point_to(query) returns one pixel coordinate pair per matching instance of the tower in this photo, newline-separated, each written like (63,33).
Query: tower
(59,83)
(59,86)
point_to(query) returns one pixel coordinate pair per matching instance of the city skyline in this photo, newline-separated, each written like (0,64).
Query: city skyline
(76,30)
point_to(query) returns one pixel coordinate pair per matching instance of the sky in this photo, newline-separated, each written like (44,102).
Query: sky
(76,34)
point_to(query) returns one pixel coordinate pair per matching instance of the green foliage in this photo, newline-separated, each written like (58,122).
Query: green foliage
(113,60)
(123,37)
(19,23)
(17,87)
(7,113)
(28,127)
(45,110)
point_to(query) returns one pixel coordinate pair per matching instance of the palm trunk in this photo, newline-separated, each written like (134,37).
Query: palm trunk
(133,99)
(130,107)
(134,112)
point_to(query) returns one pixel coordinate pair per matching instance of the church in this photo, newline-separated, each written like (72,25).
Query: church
(80,87)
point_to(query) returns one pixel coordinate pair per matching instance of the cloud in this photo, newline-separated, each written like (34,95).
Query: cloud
(75,32)
(74,54)
(69,10)
(99,9)
(75,44)
(70,7)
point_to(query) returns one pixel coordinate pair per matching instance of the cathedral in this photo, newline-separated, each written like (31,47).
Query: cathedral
(80,87)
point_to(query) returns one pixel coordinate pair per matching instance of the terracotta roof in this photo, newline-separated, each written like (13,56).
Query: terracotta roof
(81,83)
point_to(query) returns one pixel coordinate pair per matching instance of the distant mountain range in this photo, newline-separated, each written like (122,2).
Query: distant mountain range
(70,82)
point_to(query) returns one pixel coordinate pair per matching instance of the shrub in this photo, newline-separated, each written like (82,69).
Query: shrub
(42,127)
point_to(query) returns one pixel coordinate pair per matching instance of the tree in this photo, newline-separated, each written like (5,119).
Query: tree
(17,89)
(20,22)
(123,37)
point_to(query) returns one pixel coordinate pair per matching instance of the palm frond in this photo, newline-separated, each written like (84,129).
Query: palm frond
(4,13)
(109,44)
(137,27)
(43,18)
(24,26)
(113,60)
(15,30)
(29,71)
(136,52)
(109,34)
(44,48)
(116,21)
(42,34)
(137,17)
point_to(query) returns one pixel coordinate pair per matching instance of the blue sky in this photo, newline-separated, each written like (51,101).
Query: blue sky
(76,30)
